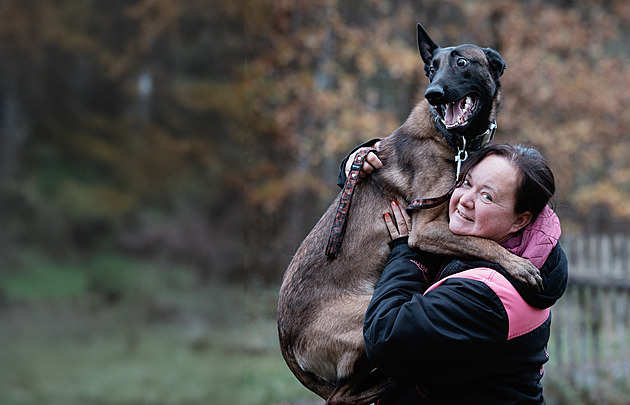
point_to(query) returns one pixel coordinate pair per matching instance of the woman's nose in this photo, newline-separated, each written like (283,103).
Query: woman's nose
(467,200)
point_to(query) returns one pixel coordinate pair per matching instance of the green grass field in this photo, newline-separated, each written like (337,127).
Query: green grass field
(166,341)
(215,345)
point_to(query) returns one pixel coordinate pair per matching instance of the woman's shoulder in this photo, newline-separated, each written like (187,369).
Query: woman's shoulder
(522,317)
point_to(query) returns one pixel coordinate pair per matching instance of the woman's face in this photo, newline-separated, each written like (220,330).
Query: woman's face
(484,205)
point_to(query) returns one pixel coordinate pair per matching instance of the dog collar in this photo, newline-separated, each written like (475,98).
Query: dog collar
(462,154)
(481,140)
(456,141)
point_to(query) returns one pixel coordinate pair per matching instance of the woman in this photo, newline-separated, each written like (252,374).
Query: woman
(465,332)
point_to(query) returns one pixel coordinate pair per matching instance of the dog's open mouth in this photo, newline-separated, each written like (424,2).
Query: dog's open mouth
(459,113)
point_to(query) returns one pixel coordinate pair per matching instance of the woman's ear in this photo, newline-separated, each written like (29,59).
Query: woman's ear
(522,220)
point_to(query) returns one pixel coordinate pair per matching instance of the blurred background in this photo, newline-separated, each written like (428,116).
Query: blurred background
(161,160)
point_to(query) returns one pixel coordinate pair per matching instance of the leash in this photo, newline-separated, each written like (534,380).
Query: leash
(338,229)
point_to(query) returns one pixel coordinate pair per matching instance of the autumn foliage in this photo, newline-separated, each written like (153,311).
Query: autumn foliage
(209,133)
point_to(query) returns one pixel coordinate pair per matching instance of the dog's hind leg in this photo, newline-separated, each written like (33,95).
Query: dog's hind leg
(316,384)
(363,387)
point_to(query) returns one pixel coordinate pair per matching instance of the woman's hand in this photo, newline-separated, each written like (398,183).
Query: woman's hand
(371,162)
(400,225)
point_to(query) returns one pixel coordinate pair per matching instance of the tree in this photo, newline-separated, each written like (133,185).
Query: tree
(209,134)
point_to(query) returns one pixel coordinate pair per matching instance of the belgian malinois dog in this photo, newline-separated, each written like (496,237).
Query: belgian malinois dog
(323,300)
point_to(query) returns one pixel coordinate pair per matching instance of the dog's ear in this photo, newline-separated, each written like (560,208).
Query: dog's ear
(497,64)
(426,47)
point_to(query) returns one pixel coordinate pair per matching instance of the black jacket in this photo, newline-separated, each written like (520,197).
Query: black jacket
(341,176)
(472,338)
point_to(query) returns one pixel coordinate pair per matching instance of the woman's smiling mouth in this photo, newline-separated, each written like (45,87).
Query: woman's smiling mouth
(464,217)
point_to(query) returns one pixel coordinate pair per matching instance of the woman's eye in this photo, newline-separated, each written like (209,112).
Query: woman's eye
(461,62)
(486,196)
(466,183)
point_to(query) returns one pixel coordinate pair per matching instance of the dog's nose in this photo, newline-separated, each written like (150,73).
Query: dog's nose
(434,93)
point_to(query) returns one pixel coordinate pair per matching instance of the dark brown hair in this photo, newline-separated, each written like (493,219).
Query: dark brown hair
(536,182)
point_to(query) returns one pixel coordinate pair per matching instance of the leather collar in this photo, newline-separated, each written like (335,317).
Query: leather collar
(456,140)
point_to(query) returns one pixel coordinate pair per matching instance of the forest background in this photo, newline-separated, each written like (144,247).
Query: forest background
(160,161)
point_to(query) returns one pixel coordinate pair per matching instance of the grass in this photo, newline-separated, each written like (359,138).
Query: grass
(164,340)
(188,346)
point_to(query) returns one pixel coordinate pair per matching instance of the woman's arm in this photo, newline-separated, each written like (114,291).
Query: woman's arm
(412,336)
(371,163)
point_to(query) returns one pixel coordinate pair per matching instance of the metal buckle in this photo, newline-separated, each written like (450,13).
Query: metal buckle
(462,155)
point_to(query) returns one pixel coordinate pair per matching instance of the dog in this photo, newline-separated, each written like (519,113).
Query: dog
(323,300)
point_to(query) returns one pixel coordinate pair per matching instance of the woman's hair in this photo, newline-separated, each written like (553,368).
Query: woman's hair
(536,182)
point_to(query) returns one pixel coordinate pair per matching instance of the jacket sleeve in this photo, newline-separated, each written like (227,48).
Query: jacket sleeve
(423,338)
(341,177)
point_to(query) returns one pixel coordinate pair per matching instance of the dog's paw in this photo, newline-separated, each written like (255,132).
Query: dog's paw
(526,273)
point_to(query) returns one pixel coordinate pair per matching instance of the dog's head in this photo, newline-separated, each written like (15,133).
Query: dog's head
(464,87)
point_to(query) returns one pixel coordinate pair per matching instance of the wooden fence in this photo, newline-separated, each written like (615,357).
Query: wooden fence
(591,323)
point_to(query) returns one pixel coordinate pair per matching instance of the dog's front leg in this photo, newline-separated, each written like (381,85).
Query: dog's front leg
(436,237)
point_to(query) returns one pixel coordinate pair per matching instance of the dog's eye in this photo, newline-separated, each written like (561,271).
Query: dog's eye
(461,62)
(432,69)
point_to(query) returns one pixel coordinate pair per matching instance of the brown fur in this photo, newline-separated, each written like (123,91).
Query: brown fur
(322,301)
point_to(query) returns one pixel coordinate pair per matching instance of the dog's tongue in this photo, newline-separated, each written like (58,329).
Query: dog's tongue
(453,112)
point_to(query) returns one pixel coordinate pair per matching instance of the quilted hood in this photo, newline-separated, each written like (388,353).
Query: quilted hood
(537,239)
(539,243)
